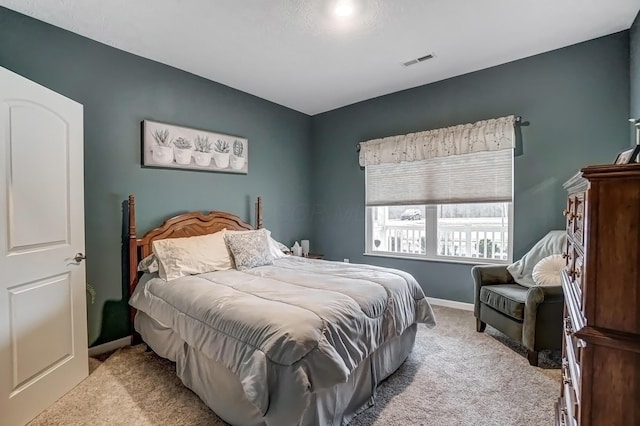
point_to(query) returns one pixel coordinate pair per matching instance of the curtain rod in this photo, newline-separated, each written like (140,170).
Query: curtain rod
(518,120)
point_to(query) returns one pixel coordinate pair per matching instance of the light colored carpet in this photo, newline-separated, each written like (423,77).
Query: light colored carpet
(454,376)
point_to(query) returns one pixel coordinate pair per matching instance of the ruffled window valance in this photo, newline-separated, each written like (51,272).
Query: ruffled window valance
(488,135)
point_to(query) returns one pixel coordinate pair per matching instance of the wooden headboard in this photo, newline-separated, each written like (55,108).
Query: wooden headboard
(189,224)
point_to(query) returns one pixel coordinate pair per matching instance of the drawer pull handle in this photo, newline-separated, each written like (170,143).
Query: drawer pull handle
(568,327)
(565,255)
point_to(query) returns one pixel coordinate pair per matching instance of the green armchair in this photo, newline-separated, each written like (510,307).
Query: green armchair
(528,313)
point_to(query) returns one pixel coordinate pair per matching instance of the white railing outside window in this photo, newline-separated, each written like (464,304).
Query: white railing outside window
(432,236)
(482,239)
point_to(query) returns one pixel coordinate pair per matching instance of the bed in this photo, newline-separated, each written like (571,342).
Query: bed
(293,342)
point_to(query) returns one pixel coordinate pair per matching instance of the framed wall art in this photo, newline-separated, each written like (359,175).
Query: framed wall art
(170,146)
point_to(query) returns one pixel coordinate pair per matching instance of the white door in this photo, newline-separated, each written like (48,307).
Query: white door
(43,329)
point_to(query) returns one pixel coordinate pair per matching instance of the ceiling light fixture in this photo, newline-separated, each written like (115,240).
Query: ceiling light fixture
(344,9)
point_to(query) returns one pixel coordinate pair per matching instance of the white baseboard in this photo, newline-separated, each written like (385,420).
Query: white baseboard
(451,304)
(110,346)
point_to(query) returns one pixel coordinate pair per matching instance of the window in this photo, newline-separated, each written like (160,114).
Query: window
(442,194)
(477,231)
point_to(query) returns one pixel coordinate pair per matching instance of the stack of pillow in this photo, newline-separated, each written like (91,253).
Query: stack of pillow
(178,257)
(542,265)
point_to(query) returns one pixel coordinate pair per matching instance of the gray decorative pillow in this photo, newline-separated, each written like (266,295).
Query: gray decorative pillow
(249,249)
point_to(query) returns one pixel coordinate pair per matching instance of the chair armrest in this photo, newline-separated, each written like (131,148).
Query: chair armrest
(491,274)
(535,296)
(552,293)
(488,275)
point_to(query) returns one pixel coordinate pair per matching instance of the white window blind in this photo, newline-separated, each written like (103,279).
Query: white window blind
(467,163)
(485,176)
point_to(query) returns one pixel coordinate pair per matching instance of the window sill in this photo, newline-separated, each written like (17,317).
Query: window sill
(469,261)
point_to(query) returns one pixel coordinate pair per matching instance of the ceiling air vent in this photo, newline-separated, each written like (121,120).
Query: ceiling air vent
(418,60)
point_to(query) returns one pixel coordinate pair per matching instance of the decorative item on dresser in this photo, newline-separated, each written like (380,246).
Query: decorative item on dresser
(628,156)
(601,348)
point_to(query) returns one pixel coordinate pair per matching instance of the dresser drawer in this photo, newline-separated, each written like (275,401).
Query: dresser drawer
(573,302)
(574,215)
(570,409)
(569,213)
(572,358)
(578,218)
(576,273)
(561,417)
(558,414)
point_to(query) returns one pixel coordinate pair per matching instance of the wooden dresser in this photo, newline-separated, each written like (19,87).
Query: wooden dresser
(601,284)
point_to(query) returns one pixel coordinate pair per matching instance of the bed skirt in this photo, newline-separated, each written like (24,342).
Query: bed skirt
(291,403)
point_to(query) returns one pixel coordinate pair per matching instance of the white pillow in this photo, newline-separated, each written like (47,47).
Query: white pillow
(179,257)
(276,248)
(547,271)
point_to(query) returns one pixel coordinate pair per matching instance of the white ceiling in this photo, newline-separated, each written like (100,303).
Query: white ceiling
(298,53)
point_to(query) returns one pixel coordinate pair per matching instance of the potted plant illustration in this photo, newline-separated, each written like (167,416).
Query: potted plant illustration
(221,154)
(237,159)
(162,152)
(202,153)
(182,150)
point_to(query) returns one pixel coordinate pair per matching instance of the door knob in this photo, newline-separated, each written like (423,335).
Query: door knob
(79,257)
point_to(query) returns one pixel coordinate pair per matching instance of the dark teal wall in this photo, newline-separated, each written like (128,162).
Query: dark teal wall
(575,99)
(634,55)
(118,91)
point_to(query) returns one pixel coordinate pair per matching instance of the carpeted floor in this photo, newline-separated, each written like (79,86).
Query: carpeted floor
(454,376)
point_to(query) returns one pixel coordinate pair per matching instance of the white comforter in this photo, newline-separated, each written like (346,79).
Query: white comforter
(318,318)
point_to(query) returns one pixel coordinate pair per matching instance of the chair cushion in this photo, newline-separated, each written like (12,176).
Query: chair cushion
(506,298)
